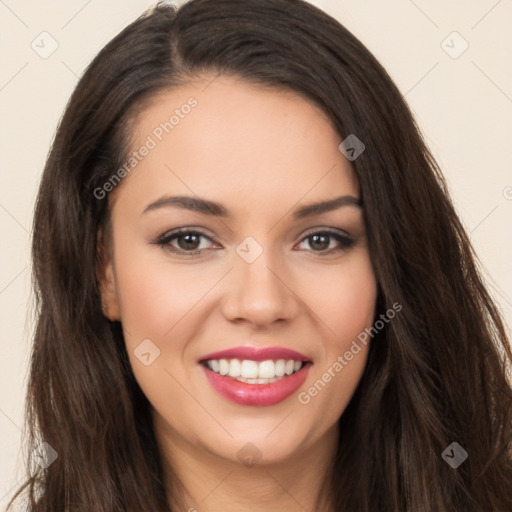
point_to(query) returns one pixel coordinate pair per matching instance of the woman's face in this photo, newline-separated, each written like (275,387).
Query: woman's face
(256,270)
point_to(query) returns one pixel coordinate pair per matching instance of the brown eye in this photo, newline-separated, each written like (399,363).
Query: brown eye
(185,242)
(326,242)
(319,242)
(188,242)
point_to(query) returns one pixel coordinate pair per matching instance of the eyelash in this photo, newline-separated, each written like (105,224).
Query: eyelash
(164,241)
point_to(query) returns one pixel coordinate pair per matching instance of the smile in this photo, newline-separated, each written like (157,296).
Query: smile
(254,372)
(252,379)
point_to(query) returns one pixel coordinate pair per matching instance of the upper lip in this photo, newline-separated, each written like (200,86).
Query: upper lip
(256,354)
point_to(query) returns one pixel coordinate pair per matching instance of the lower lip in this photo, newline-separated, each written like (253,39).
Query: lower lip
(257,394)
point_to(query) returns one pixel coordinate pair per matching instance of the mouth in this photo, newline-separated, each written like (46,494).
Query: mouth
(254,372)
(255,380)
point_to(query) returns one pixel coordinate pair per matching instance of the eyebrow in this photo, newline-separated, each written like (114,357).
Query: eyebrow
(216,209)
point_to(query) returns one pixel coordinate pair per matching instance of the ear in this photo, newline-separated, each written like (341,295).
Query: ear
(106,278)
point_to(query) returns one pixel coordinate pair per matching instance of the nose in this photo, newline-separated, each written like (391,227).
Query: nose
(259,294)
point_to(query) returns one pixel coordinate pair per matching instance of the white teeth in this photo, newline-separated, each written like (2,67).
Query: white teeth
(223,367)
(266,369)
(254,372)
(258,381)
(280,367)
(249,369)
(234,368)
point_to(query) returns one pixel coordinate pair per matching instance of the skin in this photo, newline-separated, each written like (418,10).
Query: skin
(262,153)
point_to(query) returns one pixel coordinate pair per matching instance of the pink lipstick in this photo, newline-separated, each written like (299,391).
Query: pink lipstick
(256,354)
(256,376)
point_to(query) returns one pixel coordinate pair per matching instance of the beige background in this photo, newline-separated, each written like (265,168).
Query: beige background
(463,105)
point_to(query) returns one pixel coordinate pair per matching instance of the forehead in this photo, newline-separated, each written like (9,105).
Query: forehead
(224,137)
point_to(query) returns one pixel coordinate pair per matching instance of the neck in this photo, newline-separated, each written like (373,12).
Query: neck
(209,483)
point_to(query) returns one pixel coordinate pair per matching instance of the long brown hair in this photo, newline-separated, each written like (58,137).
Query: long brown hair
(435,375)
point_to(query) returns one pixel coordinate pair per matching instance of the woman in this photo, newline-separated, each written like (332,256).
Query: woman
(254,292)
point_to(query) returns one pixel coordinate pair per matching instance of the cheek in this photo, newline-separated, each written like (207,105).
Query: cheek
(354,307)
(155,296)
(157,304)
(343,299)
(345,302)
